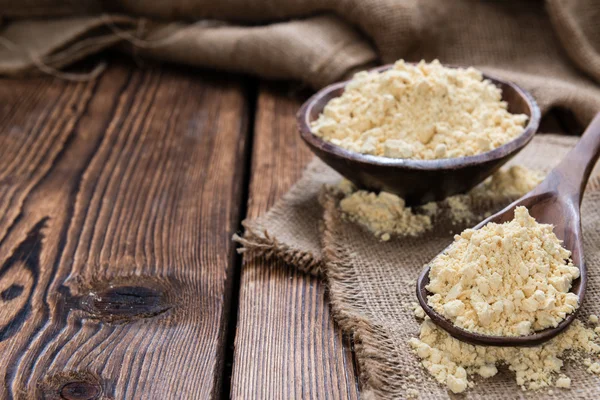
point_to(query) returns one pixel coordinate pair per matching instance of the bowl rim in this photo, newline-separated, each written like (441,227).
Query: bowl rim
(302,118)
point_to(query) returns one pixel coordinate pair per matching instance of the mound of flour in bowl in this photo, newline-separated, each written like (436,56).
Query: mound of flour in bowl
(424,111)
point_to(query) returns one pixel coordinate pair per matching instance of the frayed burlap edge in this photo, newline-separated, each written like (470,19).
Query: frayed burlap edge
(255,244)
(372,343)
(263,235)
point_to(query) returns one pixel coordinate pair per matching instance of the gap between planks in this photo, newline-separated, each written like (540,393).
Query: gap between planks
(251,93)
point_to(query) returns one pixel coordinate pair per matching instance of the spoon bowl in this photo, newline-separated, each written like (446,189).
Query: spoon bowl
(555,201)
(417,181)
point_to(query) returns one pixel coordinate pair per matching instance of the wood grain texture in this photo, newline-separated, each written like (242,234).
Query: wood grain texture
(286,344)
(118,199)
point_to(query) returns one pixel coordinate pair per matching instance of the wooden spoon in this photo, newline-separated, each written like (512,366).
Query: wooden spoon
(555,201)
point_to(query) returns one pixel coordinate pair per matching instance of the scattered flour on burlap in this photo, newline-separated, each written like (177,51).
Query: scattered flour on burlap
(424,111)
(507,279)
(386,215)
(453,363)
(507,183)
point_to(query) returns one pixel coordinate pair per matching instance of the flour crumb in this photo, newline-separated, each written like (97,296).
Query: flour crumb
(430,208)
(424,111)
(459,209)
(412,394)
(457,382)
(593,319)
(594,368)
(507,183)
(511,182)
(418,311)
(563,382)
(346,187)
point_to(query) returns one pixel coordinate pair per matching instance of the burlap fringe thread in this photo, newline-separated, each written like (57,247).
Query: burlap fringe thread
(254,245)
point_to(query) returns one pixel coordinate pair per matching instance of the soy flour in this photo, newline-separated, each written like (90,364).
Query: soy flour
(508,279)
(454,363)
(386,215)
(504,279)
(424,112)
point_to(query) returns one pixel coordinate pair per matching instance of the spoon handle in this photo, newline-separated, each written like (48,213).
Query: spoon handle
(570,177)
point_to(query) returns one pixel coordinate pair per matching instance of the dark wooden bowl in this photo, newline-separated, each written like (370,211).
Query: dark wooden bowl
(417,181)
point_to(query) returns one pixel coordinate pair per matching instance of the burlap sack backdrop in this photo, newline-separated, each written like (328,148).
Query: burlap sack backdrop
(550,47)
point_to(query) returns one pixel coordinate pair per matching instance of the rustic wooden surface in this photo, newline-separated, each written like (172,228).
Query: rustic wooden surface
(118,199)
(286,345)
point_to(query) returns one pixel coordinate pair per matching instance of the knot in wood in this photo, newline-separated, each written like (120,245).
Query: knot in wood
(80,390)
(121,303)
(12,292)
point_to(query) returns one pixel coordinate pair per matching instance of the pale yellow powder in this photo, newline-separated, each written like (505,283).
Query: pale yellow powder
(386,214)
(563,382)
(460,208)
(506,279)
(453,362)
(418,311)
(594,368)
(511,182)
(424,111)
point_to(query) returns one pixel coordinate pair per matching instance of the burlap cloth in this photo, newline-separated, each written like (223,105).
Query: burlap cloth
(372,283)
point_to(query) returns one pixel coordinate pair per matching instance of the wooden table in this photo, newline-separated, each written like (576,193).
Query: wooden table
(118,276)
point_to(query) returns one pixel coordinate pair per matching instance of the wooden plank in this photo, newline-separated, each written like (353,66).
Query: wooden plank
(286,344)
(118,199)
